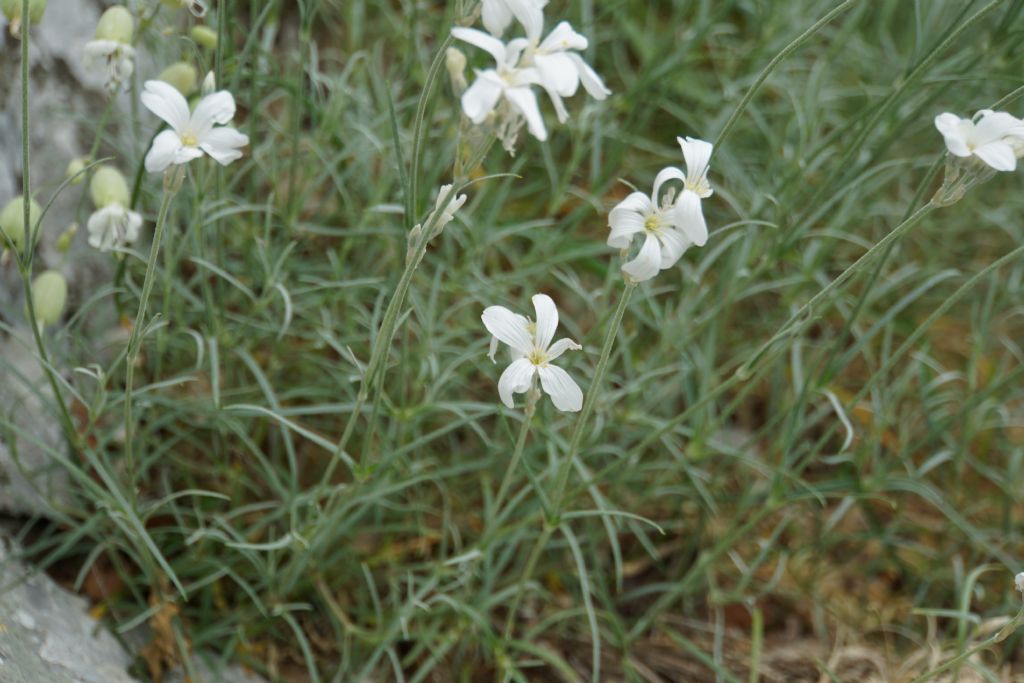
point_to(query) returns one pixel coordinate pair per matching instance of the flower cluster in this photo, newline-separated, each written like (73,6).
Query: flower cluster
(503,96)
(994,137)
(113,225)
(669,223)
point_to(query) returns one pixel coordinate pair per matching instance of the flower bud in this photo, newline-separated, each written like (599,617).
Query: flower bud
(109,187)
(12,221)
(182,76)
(209,84)
(12,10)
(205,36)
(116,24)
(64,241)
(455,61)
(49,294)
(74,172)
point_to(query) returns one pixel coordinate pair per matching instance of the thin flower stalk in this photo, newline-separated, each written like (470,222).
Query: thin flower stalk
(172,182)
(517,454)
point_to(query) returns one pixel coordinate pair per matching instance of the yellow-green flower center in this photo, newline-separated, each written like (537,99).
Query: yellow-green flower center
(652,223)
(189,140)
(537,357)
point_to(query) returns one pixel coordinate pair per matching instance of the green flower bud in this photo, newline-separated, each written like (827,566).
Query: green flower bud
(182,75)
(205,36)
(12,220)
(109,187)
(64,241)
(75,169)
(116,24)
(49,294)
(12,10)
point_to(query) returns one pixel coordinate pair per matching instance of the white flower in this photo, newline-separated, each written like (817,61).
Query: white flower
(561,69)
(507,81)
(193,133)
(116,58)
(697,154)
(666,237)
(1018,581)
(532,353)
(498,14)
(113,226)
(452,203)
(993,137)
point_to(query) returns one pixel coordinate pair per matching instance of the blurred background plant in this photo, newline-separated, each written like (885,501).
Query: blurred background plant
(834,496)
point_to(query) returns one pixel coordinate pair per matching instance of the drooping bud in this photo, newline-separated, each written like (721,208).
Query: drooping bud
(109,187)
(455,61)
(12,221)
(74,172)
(49,294)
(116,24)
(205,36)
(12,10)
(64,241)
(182,76)
(209,84)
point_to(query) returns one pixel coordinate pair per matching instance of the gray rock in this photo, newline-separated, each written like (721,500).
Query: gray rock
(214,674)
(47,636)
(64,103)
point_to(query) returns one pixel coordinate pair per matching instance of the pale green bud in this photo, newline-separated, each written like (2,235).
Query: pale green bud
(12,220)
(49,294)
(12,10)
(64,241)
(205,36)
(116,24)
(182,75)
(455,62)
(75,169)
(109,187)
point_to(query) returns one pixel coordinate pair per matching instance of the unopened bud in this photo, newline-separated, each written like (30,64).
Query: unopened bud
(49,294)
(209,84)
(12,221)
(456,63)
(64,241)
(12,10)
(116,24)
(205,36)
(182,76)
(75,168)
(109,187)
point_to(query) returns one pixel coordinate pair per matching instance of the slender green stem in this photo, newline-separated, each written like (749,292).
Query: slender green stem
(588,404)
(778,59)
(517,454)
(566,467)
(1000,635)
(25,259)
(135,340)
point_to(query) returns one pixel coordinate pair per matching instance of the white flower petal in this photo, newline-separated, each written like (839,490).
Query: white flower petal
(955,131)
(525,102)
(563,37)
(996,125)
(999,155)
(224,144)
(665,175)
(627,219)
(560,347)
(163,152)
(563,390)
(556,100)
(690,217)
(592,83)
(515,380)
(547,320)
(166,102)
(215,108)
(673,245)
(480,98)
(558,72)
(496,16)
(530,15)
(647,263)
(698,156)
(482,41)
(511,328)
